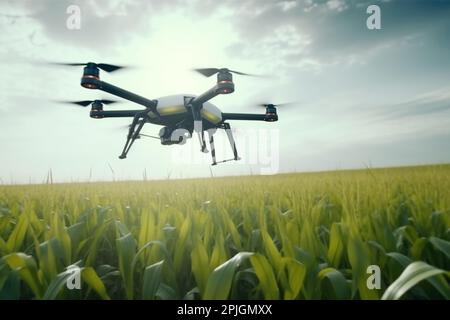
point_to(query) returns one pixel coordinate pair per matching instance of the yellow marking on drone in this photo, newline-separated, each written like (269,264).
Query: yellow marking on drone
(171,109)
(209,116)
(181,109)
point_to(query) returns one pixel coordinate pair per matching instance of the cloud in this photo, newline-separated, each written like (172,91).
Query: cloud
(334,32)
(288,5)
(431,103)
(104,23)
(338,5)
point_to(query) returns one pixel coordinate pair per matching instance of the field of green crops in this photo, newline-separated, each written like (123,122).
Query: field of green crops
(293,236)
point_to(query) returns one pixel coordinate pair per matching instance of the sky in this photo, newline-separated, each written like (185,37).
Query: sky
(362,97)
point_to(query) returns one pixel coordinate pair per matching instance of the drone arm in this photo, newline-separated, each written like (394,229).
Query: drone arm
(94,83)
(243,116)
(208,95)
(115,114)
(105,86)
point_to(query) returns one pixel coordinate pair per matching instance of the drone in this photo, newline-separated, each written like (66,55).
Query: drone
(180,115)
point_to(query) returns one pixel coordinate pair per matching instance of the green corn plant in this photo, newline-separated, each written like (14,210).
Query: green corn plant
(289,236)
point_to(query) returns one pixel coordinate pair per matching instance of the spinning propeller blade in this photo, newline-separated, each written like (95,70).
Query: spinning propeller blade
(285,104)
(85,103)
(104,66)
(208,72)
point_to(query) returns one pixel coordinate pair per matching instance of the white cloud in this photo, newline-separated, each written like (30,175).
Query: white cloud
(288,5)
(337,5)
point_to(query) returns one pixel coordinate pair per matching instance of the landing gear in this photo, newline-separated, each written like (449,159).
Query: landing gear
(227,128)
(133,133)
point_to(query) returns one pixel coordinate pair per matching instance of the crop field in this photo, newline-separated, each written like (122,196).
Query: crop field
(291,236)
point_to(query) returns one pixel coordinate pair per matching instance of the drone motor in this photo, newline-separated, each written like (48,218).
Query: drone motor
(90,71)
(271,113)
(96,110)
(225,83)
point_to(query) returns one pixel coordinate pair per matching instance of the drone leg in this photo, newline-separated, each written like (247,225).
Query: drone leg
(203,142)
(198,127)
(231,139)
(213,150)
(135,135)
(130,135)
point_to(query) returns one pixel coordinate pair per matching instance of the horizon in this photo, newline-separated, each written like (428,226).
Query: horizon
(169,179)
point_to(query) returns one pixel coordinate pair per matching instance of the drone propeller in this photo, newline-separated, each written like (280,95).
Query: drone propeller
(104,66)
(208,72)
(265,105)
(85,103)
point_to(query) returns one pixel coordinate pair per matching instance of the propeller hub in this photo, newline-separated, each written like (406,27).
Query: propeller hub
(224,76)
(97,105)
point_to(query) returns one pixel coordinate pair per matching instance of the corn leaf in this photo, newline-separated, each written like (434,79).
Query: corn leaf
(126,251)
(412,275)
(152,280)
(221,279)
(89,275)
(340,289)
(264,272)
(26,265)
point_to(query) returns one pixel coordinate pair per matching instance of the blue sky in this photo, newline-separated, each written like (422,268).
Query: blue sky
(363,97)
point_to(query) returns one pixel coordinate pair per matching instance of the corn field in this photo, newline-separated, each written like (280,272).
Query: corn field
(292,236)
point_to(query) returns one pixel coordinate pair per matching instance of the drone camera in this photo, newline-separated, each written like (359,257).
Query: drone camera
(165,134)
(90,76)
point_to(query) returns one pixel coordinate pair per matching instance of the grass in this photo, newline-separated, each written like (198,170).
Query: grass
(291,236)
